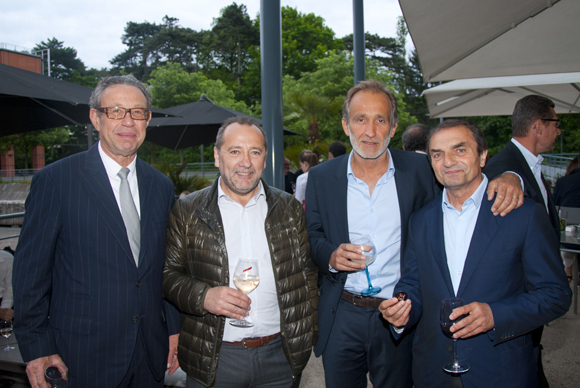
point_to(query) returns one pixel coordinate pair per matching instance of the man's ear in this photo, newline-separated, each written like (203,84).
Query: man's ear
(216,156)
(345,128)
(95,119)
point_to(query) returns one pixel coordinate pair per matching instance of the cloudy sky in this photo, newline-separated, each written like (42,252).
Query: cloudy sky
(94,28)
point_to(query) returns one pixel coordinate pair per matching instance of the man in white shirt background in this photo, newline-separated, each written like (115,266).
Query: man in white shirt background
(6,261)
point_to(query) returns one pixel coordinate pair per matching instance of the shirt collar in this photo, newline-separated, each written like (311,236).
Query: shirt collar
(261,194)
(113,167)
(475,198)
(532,160)
(390,172)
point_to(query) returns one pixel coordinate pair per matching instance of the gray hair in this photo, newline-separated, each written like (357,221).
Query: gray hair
(415,137)
(105,82)
(372,86)
(527,111)
(242,120)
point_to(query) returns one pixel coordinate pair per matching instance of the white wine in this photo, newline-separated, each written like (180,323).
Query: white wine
(6,333)
(370,257)
(246,284)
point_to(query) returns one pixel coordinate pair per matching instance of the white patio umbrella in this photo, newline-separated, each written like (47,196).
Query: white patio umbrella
(458,39)
(496,96)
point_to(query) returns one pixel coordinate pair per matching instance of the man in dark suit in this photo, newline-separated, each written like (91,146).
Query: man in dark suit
(506,269)
(373,191)
(88,267)
(535,128)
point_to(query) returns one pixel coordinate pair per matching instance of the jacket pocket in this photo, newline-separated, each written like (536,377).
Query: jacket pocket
(70,323)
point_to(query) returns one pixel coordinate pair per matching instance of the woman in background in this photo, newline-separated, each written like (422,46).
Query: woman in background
(307,160)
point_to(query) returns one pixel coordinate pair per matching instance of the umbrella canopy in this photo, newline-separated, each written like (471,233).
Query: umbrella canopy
(31,101)
(457,39)
(497,96)
(198,124)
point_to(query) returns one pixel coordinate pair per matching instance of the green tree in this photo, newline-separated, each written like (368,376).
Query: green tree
(171,85)
(305,39)
(150,45)
(24,142)
(63,60)
(232,35)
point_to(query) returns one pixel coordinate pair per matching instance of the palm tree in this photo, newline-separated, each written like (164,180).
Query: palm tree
(311,107)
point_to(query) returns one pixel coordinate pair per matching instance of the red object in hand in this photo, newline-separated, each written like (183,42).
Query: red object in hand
(401,296)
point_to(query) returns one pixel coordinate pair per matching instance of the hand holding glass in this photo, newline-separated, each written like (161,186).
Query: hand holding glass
(447,307)
(246,279)
(370,252)
(53,376)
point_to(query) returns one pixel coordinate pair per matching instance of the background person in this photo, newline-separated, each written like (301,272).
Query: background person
(307,161)
(415,138)
(336,149)
(6,262)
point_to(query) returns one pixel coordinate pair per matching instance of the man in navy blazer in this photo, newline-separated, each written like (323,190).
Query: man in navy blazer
(506,269)
(86,299)
(373,191)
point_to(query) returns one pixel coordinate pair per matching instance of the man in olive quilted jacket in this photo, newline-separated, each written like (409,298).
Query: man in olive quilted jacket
(209,231)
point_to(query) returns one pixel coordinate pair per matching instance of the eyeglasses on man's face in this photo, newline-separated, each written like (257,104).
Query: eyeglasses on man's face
(117,113)
(557,121)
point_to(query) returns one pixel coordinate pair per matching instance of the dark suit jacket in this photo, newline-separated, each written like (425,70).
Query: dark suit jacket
(567,190)
(327,219)
(77,290)
(511,159)
(513,265)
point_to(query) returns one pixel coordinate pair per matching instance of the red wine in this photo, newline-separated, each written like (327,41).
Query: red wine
(447,330)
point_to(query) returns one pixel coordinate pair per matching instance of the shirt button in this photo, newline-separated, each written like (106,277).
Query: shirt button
(138,284)
(459,244)
(134,319)
(372,210)
(245,235)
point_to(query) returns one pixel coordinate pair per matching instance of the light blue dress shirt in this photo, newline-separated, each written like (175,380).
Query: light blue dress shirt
(535,163)
(458,229)
(379,217)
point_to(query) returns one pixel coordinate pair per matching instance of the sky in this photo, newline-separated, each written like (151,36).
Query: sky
(94,29)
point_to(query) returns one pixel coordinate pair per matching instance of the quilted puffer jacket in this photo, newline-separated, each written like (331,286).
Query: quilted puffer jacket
(196,260)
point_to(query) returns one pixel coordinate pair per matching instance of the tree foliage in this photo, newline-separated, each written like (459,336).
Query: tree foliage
(63,60)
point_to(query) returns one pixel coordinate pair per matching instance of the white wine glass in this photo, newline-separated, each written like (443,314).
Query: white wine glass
(6,331)
(370,252)
(246,279)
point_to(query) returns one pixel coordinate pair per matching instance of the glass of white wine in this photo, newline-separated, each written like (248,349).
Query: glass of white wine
(246,279)
(6,332)
(370,252)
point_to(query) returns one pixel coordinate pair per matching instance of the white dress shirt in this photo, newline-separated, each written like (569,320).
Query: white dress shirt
(535,163)
(379,217)
(6,261)
(458,227)
(113,169)
(244,230)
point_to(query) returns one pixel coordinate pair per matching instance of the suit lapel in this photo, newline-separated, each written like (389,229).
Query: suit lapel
(94,179)
(145,189)
(435,229)
(528,175)
(485,230)
(340,192)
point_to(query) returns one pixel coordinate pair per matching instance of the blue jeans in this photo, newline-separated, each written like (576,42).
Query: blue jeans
(238,367)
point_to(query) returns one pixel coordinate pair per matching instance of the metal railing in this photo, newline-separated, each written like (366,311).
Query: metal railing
(18,175)
(7,217)
(555,165)
(205,170)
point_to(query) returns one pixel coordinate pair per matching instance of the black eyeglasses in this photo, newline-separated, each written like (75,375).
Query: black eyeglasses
(557,121)
(117,113)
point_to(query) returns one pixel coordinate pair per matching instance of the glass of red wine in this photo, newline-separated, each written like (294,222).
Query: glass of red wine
(447,307)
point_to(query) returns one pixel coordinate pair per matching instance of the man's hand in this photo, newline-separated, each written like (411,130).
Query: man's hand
(509,193)
(35,370)
(227,301)
(172,363)
(346,258)
(396,312)
(6,314)
(479,319)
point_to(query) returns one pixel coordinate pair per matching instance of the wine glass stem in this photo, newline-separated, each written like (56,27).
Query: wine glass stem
(455,358)
(368,277)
